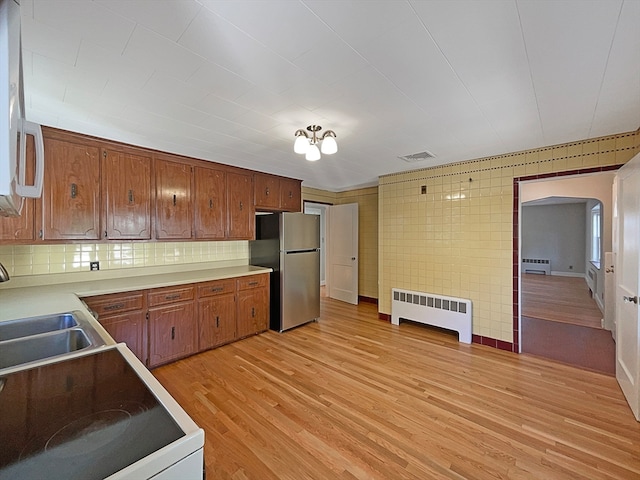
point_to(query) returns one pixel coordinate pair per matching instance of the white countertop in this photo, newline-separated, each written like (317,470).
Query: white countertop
(37,300)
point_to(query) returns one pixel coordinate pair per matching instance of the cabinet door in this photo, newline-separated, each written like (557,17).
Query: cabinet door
(210,203)
(173,200)
(14,229)
(266,191)
(71,191)
(130,329)
(290,195)
(216,321)
(241,221)
(172,333)
(126,180)
(253,311)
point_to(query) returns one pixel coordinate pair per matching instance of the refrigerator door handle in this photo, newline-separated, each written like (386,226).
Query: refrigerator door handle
(288,252)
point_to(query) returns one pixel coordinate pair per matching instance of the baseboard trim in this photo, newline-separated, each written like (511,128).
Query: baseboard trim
(384,316)
(362,298)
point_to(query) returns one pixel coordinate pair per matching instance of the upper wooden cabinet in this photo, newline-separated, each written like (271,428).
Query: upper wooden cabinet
(241,214)
(174,217)
(126,180)
(71,191)
(210,203)
(290,195)
(276,193)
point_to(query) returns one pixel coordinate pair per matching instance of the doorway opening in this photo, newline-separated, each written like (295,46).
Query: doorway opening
(558,284)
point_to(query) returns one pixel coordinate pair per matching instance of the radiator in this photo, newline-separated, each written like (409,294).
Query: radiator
(444,312)
(536,265)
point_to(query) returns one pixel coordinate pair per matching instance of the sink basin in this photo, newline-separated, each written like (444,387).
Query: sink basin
(37,347)
(47,337)
(35,325)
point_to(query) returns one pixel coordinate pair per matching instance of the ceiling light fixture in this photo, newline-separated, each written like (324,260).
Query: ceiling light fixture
(308,144)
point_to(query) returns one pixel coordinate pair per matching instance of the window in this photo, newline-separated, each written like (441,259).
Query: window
(595,234)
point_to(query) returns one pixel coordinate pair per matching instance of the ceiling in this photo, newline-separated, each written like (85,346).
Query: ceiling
(231,81)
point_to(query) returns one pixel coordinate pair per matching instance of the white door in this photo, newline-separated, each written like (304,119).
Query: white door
(342,277)
(627,211)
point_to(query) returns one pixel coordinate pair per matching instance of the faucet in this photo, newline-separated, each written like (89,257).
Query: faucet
(4,275)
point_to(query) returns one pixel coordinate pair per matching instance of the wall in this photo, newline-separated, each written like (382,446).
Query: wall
(367,200)
(457,239)
(556,232)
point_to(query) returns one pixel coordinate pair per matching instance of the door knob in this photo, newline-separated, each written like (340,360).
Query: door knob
(631,299)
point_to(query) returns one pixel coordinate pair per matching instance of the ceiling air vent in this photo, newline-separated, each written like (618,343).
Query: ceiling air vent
(417,157)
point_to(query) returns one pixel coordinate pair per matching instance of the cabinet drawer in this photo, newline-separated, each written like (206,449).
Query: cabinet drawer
(218,287)
(163,296)
(115,303)
(253,281)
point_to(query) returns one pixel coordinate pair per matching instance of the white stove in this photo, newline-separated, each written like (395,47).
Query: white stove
(96,416)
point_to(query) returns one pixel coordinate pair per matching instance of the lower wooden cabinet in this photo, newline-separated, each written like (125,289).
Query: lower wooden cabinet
(253,305)
(166,324)
(123,316)
(172,333)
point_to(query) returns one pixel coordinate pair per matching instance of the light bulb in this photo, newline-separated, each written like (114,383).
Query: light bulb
(329,145)
(301,144)
(313,153)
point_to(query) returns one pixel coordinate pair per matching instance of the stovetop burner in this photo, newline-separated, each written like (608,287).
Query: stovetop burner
(86,418)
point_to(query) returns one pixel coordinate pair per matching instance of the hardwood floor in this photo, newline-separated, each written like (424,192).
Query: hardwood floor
(559,299)
(352,397)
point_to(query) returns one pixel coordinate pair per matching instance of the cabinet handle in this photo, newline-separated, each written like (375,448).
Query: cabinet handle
(266,192)
(115,306)
(210,203)
(253,312)
(253,284)
(74,190)
(172,297)
(174,199)
(217,321)
(173,333)
(217,289)
(40,234)
(290,194)
(241,205)
(130,196)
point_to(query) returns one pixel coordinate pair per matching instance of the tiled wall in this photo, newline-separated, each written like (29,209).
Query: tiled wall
(24,260)
(457,238)
(367,200)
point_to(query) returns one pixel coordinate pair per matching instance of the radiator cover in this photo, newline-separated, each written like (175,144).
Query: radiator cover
(440,311)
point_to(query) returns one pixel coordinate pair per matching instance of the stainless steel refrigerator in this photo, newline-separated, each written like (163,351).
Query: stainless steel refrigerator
(289,243)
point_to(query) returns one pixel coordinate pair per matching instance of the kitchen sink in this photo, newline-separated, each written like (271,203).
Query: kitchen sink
(27,340)
(37,347)
(34,325)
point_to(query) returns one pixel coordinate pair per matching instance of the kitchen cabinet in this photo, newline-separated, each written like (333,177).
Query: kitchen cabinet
(210,203)
(216,313)
(252,305)
(22,229)
(275,193)
(174,217)
(123,316)
(240,220)
(290,195)
(126,181)
(266,191)
(70,200)
(172,324)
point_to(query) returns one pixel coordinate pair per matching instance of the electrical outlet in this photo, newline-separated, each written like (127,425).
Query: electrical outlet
(94,266)
(570,267)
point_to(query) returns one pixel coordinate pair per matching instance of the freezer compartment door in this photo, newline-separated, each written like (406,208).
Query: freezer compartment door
(299,231)
(300,288)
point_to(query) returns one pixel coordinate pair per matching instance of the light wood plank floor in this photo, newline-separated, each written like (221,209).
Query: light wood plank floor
(355,397)
(559,299)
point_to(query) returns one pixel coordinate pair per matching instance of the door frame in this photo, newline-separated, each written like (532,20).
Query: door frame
(517,299)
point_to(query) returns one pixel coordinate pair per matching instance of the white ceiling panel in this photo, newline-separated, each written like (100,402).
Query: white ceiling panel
(232,80)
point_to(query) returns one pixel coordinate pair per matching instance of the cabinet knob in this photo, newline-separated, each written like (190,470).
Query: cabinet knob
(266,191)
